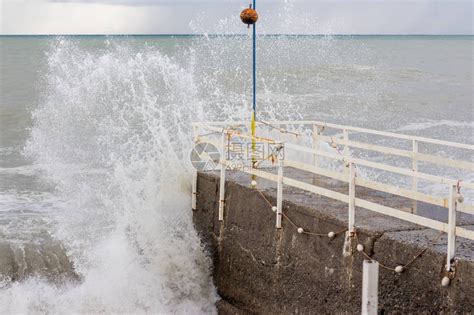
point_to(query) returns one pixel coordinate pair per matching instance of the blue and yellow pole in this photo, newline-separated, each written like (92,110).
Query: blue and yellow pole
(249,16)
(254,72)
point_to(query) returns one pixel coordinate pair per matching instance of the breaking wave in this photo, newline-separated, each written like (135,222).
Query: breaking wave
(112,135)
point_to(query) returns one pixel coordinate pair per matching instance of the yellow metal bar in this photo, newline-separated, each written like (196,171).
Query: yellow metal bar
(253,126)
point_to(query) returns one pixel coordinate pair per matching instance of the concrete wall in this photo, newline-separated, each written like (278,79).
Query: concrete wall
(260,269)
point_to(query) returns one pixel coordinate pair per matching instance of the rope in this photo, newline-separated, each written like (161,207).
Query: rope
(233,128)
(265,198)
(273,156)
(458,186)
(280,129)
(363,252)
(432,242)
(209,134)
(333,144)
(291,221)
(308,232)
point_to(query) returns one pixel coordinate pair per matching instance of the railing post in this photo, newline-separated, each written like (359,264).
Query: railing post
(194,183)
(345,151)
(193,198)
(279,212)
(345,134)
(414,167)
(223,165)
(352,186)
(316,148)
(370,287)
(451,227)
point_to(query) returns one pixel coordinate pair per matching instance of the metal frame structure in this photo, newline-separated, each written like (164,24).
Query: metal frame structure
(453,202)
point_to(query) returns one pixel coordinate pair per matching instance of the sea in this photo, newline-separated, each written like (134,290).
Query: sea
(95,138)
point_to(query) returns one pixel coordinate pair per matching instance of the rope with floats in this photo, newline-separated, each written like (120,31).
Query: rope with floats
(359,247)
(299,229)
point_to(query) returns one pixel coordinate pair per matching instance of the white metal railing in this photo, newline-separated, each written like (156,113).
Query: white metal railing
(454,201)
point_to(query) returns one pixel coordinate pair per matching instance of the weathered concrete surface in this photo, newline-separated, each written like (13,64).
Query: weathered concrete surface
(259,269)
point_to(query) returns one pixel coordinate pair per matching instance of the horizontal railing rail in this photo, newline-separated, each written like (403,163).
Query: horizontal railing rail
(348,128)
(453,202)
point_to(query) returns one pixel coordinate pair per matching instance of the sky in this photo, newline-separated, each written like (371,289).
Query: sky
(31,17)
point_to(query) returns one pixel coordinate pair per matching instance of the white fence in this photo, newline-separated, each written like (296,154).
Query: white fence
(206,131)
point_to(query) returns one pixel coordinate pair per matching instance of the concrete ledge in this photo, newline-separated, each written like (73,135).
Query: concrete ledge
(259,269)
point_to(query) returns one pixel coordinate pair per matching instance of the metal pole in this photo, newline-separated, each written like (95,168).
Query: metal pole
(255,65)
(254,80)
(370,284)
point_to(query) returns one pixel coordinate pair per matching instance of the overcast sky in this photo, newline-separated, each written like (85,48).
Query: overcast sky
(221,16)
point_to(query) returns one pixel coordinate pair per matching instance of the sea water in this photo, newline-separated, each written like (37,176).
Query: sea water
(95,138)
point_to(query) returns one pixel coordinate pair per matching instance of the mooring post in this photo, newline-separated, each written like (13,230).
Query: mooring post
(223,165)
(352,186)
(451,227)
(279,212)
(414,167)
(370,287)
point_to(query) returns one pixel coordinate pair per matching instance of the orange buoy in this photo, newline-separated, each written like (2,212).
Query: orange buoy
(249,16)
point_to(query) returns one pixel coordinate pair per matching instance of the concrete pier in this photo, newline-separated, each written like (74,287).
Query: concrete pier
(261,269)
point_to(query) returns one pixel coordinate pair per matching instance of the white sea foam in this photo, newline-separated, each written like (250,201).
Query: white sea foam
(113,135)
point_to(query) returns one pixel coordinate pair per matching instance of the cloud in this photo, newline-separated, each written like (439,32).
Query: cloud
(143,2)
(206,16)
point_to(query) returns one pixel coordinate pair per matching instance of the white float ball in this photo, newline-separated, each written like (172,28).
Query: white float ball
(459,198)
(274,209)
(360,247)
(399,269)
(445,281)
(300,230)
(331,234)
(253,183)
